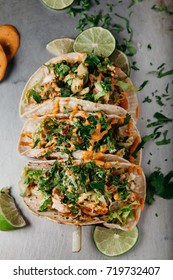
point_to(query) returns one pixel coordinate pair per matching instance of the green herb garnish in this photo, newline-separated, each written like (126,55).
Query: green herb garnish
(133,2)
(161,8)
(161,119)
(160,185)
(159,73)
(143,85)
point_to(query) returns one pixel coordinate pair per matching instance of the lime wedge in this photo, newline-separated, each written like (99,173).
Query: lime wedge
(95,40)
(57,4)
(121,60)
(10,217)
(60,46)
(114,242)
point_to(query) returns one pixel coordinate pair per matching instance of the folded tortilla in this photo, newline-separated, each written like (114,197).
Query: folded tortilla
(81,135)
(79,192)
(77,78)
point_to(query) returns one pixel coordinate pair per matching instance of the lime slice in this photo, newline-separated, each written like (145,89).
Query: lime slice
(95,40)
(57,4)
(114,242)
(121,60)
(60,46)
(10,217)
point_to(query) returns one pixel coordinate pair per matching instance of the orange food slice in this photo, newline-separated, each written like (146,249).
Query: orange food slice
(3,62)
(10,40)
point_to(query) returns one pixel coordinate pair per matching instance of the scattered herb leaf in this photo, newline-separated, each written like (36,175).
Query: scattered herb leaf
(161,119)
(161,8)
(143,85)
(133,2)
(164,141)
(160,185)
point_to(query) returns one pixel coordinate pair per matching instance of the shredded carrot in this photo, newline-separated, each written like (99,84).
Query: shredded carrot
(56,108)
(121,120)
(135,144)
(134,168)
(22,143)
(87,155)
(26,133)
(123,102)
(139,169)
(107,165)
(99,156)
(99,162)
(142,203)
(129,127)
(99,115)
(136,214)
(131,159)
(137,111)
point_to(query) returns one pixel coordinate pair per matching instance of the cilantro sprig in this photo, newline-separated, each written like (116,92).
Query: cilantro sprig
(160,185)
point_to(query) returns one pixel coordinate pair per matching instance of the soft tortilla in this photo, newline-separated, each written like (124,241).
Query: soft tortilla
(31,124)
(42,75)
(33,200)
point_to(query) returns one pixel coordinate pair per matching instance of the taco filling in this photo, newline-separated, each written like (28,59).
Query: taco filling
(81,131)
(113,193)
(94,79)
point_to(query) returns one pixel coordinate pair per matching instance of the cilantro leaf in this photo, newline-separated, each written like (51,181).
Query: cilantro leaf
(143,85)
(164,141)
(45,204)
(35,96)
(61,69)
(161,119)
(160,185)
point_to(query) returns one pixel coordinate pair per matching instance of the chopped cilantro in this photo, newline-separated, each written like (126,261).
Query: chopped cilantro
(143,85)
(61,69)
(35,96)
(133,2)
(145,139)
(110,7)
(161,119)
(134,67)
(164,141)
(45,204)
(159,100)
(147,99)
(160,71)
(161,8)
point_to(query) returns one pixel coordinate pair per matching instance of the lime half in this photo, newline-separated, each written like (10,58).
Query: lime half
(95,40)
(60,46)
(10,217)
(114,242)
(121,60)
(57,4)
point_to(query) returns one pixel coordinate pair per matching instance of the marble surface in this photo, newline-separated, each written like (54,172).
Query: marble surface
(37,25)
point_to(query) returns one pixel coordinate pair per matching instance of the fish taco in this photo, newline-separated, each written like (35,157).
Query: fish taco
(81,192)
(82,135)
(92,80)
